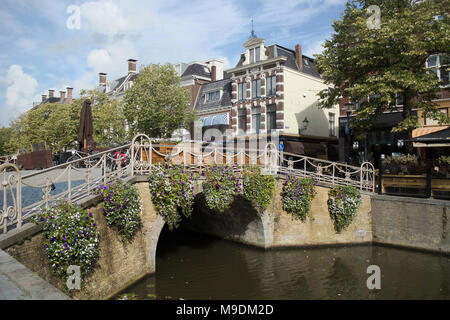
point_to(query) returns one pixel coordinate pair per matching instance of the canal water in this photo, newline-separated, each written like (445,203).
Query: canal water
(194,266)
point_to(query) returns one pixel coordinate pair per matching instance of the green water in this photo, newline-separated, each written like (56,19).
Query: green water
(194,266)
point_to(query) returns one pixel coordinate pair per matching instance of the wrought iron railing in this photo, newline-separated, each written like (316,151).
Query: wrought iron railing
(75,180)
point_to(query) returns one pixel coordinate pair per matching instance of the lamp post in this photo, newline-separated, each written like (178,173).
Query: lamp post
(305,124)
(348,108)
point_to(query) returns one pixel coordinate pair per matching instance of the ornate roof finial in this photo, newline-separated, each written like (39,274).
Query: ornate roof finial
(252,34)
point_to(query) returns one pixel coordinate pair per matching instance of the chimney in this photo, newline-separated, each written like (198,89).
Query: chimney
(51,93)
(102,79)
(132,66)
(44,97)
(62,96)
(299,57)
(213,73)
(69,94)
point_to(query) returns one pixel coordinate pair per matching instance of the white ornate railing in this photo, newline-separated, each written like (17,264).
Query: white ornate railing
(328,172)
(24,195)
(8,159)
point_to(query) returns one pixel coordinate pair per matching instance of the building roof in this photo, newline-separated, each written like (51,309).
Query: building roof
(197,70)
(225,100)
(275,50)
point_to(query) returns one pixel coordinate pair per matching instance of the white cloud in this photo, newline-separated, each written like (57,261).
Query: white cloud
(20,92)
(315,47)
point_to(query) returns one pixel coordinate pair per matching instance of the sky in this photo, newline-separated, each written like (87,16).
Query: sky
(46,44)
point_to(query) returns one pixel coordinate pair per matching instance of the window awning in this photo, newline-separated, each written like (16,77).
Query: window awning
(217,119)
(427,130)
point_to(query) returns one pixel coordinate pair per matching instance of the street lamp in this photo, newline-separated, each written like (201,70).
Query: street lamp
(305,124)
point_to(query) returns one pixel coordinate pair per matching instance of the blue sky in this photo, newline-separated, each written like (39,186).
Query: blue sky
(39,52)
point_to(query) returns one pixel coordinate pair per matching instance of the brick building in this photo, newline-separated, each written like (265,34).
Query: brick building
(272,88)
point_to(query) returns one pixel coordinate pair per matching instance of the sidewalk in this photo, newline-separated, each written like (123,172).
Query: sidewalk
(19,283)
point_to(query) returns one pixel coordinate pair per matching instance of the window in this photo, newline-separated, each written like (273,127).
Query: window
(256,88)
(271,86)
(271,118)
(128,85)
(331,124)
(398,99)
(256,119)
(252,55)
(241,91)
(213,95)
(439,65)
(257,54)
(242,120)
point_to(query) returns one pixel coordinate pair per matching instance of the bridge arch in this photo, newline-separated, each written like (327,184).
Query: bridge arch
(240,223)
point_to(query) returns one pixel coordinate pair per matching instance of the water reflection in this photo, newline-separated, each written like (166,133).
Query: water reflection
(193,266)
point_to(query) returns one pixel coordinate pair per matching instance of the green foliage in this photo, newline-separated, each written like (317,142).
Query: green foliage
(5,142)
(444,161)
(57,124)
(297,195)
(156,104)
(403,159)
(220,187)
(360,62)
(70,238)
(258,188)
(122,207)
(172,191)
(343,204)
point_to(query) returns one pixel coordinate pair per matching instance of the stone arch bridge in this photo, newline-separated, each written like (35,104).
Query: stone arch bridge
(272,228)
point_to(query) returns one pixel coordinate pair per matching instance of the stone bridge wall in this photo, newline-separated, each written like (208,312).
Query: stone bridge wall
(276,228)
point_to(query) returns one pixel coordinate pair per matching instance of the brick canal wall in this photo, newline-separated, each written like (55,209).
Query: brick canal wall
(411,222)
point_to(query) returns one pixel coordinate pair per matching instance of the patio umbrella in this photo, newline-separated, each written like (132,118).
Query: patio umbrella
(86,130)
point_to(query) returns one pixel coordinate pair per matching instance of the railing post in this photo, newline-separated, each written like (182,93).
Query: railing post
(88,179)
(104,168)
(69,183)
(380,177)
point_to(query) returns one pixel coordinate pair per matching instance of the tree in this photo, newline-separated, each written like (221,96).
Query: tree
(156,104)
(5,138)
(387,62)
(57,124)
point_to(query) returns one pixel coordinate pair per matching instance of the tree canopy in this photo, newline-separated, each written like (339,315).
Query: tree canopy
(386,62)
(156,104)
(57,124)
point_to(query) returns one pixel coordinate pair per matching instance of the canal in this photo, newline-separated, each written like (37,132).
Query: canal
(194,266)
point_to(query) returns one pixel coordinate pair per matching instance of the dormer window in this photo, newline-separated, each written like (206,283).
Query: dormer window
(255,54)
(128,85)
(213,95)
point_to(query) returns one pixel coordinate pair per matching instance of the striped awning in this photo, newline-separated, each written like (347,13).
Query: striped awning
(214,120)
(427,130)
